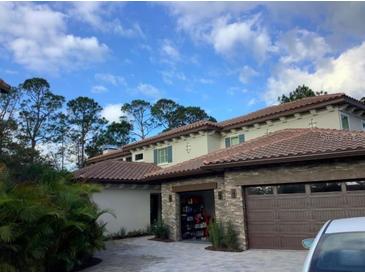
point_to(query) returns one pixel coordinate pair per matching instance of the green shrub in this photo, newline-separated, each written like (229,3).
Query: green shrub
(230,237)
(47,223)
(216,234)
(160,230)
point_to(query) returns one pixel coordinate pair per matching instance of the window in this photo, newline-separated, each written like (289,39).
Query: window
(363,125)
(345,123)
(129,159)
(351,186)
(163,155)
(260,190)
(291,188)
(138,157)
(234,140)
(325,187)
(342,252)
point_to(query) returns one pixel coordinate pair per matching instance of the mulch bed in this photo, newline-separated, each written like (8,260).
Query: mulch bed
(161,240)
(211,248)
(88,263)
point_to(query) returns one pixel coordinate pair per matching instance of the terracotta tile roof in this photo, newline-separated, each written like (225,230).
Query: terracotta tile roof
(109,155)
(115,170)
(262,115)
(4,87)
(279,110)
(194,127)
(285,145)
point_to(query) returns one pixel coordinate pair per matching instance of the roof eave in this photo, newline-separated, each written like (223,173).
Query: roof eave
(288,159)
(293,111)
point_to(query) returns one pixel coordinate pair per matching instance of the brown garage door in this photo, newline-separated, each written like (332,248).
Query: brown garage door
(281,216)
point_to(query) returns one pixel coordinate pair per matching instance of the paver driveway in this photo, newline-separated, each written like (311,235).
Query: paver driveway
(141,254)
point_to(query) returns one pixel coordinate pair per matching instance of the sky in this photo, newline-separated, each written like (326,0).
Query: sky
(229,58)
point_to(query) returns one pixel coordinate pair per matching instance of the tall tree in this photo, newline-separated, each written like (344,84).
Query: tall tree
(116,134)
(61,139)
(170,115)
(140,113)
(39,110)
(299,93)
(86,122)
(165,111)
(189,115)
(8,125)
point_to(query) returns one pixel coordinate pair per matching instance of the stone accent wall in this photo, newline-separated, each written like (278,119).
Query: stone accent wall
(171,202)
(291,173)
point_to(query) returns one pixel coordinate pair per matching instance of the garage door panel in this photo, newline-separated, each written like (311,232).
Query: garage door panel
(259,215)
(282,221)
(261,203)
(263,227)
(326,214)
(291,202)
(328,201)
(289,215)
(356,212)
(295,228)
(264,241)
(355,200)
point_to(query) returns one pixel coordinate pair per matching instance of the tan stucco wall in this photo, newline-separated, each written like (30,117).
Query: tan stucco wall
(129,204)
(198,146)
(322,119)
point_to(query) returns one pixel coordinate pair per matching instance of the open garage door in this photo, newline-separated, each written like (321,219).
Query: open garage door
(281,216)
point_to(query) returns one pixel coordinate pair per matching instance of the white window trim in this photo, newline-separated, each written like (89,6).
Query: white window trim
(141,160)
(167,160)
(348,117)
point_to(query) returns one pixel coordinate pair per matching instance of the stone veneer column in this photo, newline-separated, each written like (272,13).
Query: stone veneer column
(171,211)
(231,209)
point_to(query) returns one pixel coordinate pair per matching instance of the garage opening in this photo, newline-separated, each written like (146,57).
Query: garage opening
(197,211)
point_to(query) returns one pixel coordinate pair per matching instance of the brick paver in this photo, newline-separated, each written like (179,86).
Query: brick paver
(141,254)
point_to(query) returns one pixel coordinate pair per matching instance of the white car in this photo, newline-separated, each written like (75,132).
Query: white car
(339,246)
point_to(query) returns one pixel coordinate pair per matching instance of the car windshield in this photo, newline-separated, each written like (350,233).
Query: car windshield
(340,252)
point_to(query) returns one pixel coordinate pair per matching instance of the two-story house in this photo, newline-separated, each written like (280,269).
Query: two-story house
(277,173)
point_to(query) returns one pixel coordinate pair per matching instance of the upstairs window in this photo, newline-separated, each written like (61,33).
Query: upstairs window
(234,140)
(138,157)
(345,123)
(363,125)
(163,155)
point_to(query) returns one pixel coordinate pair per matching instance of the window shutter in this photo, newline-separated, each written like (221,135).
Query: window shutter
(241,138)
(169,154)
(155,156)
(228,142)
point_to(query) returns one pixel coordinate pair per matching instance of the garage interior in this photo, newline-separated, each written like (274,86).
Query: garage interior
(196,213)
(281,216)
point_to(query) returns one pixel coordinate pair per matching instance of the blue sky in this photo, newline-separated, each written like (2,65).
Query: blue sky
(229,58)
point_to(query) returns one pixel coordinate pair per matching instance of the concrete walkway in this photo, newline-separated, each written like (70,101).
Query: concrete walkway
(141,254)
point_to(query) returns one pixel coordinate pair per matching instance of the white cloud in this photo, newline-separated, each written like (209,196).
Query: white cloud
(206,81)
(169,76)
(96,14)
(112,112)
(169,51)
(246,74)
(112,79)
(37,38)
(99,89)
(149,91)
(346,73)
(227,37)
(302,45)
